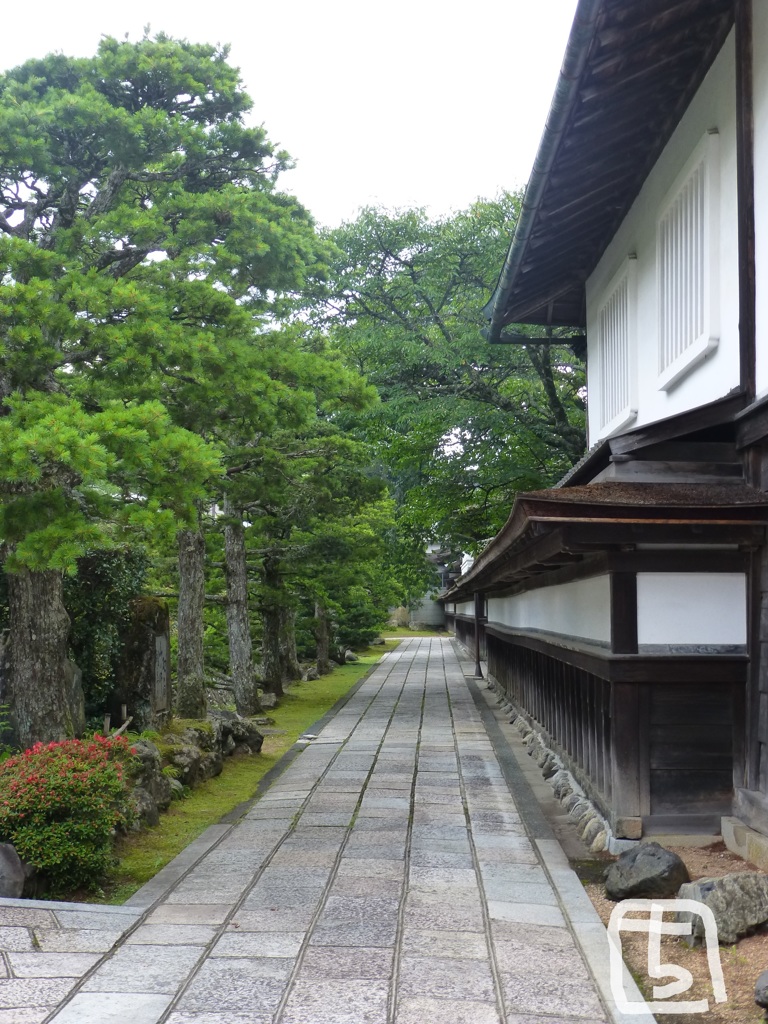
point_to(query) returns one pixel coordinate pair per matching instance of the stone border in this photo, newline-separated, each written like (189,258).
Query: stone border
(583,920)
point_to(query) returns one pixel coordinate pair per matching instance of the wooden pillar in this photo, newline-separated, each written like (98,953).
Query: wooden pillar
(625,761)
(478,628)
(624,612)
(745,190)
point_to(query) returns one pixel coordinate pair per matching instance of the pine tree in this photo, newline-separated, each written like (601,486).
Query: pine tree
(142,241)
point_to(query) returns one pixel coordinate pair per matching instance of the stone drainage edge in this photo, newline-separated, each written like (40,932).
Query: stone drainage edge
(582,918)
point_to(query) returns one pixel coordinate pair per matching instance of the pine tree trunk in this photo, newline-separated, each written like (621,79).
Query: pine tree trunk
(39,627)
(271,661)
(270,654)
(290,669)
(323,640)
(238,622)
(190,690)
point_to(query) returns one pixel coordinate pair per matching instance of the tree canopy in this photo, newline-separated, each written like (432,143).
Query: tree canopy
(463,425)
(185,362)
(141,233)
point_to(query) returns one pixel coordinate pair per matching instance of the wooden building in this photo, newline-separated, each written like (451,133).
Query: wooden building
(626,609)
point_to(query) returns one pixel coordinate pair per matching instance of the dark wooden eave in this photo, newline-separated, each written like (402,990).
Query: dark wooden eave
(551,530)
(630,71)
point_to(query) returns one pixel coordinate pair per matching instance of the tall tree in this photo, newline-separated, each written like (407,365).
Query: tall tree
(463,425)
(278,480)
(141,237)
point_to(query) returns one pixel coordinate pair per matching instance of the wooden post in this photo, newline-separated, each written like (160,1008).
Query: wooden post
(625,761)
(478,626)
(745,191)
(107,719)
(624,612)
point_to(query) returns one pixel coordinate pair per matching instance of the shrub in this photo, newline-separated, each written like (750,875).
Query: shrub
(60,804)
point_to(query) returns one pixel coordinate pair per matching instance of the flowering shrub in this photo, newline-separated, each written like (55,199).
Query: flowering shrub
(60,804)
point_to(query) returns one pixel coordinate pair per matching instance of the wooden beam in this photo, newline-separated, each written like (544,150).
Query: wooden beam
(686,451)
(624,612)
(656,669)
(752,424)
(714,414)
(603,535)
(745,186)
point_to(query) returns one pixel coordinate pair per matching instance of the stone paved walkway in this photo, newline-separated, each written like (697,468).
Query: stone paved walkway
(386,877)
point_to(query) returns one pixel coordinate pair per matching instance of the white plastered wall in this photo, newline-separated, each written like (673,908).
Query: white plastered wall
(760,64)
(712,107)
(465,608)
(581,608)
(691,608)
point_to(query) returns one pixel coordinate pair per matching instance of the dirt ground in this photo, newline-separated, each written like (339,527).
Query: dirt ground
(742,962)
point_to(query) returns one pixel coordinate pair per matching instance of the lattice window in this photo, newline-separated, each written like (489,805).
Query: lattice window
(615,352)
(687,279)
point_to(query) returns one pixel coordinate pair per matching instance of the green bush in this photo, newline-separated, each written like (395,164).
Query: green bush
(60,804)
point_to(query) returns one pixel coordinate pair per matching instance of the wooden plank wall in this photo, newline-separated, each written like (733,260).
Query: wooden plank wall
(571,706)
(690,741)
(655,756)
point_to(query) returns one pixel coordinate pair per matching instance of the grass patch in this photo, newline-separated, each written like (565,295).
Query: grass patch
(142,855)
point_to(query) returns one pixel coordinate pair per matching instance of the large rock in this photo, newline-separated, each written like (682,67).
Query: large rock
(646,871)
(739,902)
(202,736)
(187,760)
(211,764)
(150,777)
(12,872)
(232,732)
(761,990)
(145,808)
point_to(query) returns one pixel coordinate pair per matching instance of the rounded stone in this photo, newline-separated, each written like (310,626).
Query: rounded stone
(647,870)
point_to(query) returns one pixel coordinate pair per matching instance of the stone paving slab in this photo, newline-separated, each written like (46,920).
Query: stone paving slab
(388,876)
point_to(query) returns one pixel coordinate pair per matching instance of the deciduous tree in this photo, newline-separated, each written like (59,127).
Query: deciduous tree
(463,425)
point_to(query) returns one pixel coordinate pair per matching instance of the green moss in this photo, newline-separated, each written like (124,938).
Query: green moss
(166,750)
(177,725)
(141,856)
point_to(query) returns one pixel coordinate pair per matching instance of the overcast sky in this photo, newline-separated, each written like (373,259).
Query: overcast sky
(403,103)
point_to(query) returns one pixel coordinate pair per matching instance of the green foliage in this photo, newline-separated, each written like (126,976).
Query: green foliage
(60,804)
(98,599)
(142,246)
(462,425)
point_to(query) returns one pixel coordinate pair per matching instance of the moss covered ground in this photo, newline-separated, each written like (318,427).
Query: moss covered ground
(142,855)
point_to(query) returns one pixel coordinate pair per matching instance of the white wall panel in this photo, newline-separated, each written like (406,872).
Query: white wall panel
(713,107)
(691,608)
(581,608)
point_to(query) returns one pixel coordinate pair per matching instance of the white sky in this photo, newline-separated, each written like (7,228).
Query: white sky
(402,103)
